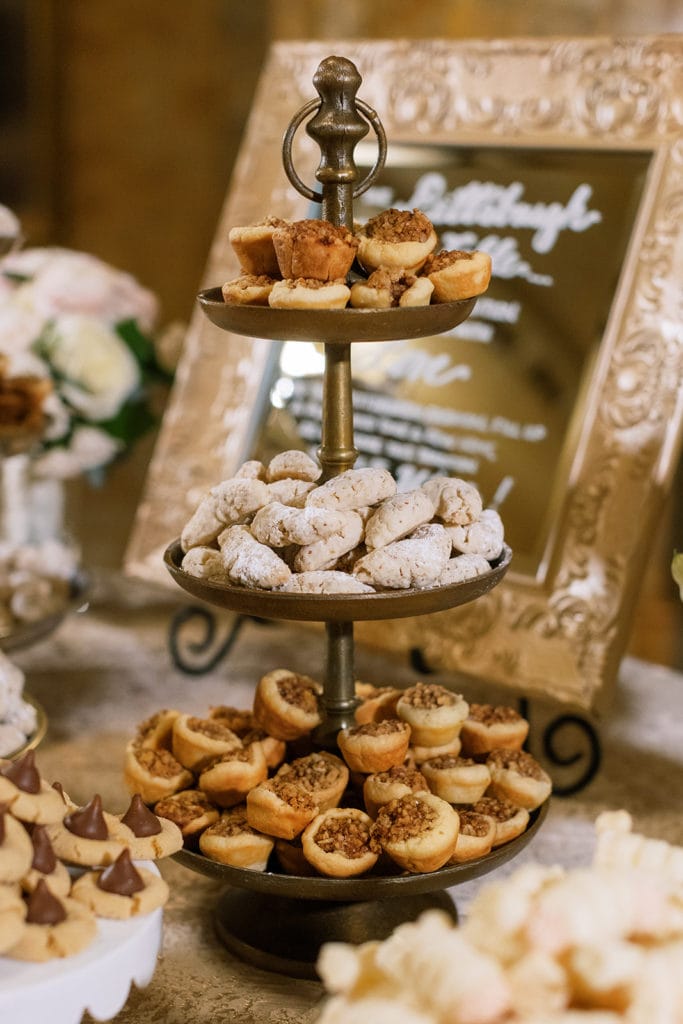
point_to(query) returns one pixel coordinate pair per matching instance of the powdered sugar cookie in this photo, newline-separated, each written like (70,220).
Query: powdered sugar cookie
(250,563)
(252,469)
(324,554)
(203,526)
(417,561)
(325,581)
(353,489)
(463,568)
(278,525)
(456,502)
(482,537)
(54,927)
(238,497)
(204,563)
(293,465)
(290,491)
(121,891)
(397,517)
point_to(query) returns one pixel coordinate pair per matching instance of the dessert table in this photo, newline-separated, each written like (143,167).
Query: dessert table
(109,667)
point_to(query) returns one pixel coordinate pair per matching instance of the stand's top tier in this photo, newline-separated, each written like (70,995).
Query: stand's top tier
(340,121)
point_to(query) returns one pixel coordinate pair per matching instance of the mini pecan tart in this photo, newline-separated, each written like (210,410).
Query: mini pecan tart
(153,774)
(274,750)
(280,808)
(396,239)
(488,727)
(197,741)
(383,787)
(191,810)
(232,840)
(377,703)
(227,780)
(460,780)
(518,777)
(435,714)
(510,819)
(27,795)
(156,732)
(286,704)
(418,831)
(323,775)
(475,838)
(421,754)
(290,857)
(374,747)
(338,844)
(121,891)
(457,275)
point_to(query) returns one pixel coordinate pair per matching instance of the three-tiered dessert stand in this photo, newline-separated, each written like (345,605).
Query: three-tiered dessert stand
(275,920)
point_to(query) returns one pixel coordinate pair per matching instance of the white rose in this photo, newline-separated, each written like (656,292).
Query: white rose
(90,448)
(100,370)
(20,326)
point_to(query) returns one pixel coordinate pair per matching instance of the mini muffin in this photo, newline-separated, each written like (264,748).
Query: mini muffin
(227,780)
(385,288)
(253,246)
(191,810)
(375,746)
(435,714)
(309,293)
(290,857)
(314,249)
(518,777)
(418,831)
(459,780)
(121,891)
(488,727)
(248,290)
(338,843)
(421,754)
(475,838)
(322,774)
(377,703)
(231,840)
(145,834)
(458,275)
(286,704)
(280,808)
(394,239)
(197,741)
(381,788)
(156,732)
(510,820)
(152,773)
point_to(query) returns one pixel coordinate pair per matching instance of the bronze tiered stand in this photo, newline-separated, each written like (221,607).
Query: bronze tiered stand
(274,920)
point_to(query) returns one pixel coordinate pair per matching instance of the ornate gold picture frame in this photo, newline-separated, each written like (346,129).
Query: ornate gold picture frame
(558,624)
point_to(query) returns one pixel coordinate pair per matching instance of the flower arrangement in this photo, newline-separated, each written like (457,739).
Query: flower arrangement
(70,318)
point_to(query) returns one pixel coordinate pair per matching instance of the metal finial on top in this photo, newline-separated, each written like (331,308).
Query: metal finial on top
(337,126)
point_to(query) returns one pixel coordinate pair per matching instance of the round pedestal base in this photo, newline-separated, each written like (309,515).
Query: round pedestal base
(285,935)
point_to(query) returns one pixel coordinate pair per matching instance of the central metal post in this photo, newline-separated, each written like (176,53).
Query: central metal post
(339,699)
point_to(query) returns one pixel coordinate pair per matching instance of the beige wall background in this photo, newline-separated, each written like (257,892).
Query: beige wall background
(131,121)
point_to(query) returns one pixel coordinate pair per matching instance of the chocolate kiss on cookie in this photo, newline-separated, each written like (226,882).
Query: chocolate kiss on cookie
(140,820)
(44,858)
(121,877)
(88,822)
(23,773)
(45,865)
(44,908)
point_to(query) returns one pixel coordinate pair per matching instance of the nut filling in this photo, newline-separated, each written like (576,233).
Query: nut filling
(517,761)
(312,773)
(210,727)
(402,819)
(499,810)
(183,808)
(399,226)
(473,824)
(487,714)
(291,793)
(299,694)
(445,258)
(429,695)
(158,762)
(446,761)
(384,728)
(233,825)
(346,836)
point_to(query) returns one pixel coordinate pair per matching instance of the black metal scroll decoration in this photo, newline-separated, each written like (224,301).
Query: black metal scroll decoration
(196,657)
(586,753)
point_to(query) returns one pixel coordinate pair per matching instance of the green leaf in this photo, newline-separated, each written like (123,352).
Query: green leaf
(132,421)
(139,344)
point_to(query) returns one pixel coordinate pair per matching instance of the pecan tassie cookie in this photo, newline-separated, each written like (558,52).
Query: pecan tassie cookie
(232,840)
(152,773)
(191,810)
(248,289)
(314,249)
(227,780)
(338,843)
(518,777)
(510,819)
(394,238)
(309,293)
(156,732)
(435,714)
(323,775)
(383,787)
(475,838)
(457,275)
(280,808)
(418,831)
(197,741)
(459,780)
(489,727)
(286,704)
(253,246)
(375,746)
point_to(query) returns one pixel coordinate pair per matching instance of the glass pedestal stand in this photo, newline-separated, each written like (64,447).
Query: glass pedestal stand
(272,919)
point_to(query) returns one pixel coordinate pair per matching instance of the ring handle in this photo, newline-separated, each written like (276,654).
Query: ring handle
(337,126)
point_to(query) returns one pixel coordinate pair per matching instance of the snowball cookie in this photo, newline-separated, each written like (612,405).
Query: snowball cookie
(324,554)
(458,275)
(292,465)
(354,489)
(397,517)
(417,561)
(456,502)
(250,563)
(396,239)
(482,537)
